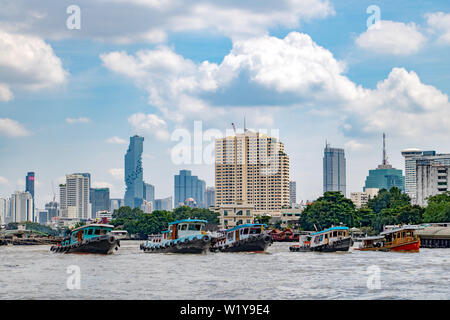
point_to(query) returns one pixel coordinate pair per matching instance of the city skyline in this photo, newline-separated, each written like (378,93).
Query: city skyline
(75,112)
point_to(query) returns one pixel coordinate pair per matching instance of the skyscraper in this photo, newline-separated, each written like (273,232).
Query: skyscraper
(29,185)
(385,176)
(99,198)
(292,193)
(412,158)
(21,207)
(432,179)
(163,204)
(252,168)
(188,186)
(52,209)
(75,197)
(115,204)
(149,192)
(209,197)
(134,173)
(5,211)
(334,170)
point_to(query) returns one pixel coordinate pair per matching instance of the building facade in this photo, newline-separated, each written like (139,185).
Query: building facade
(292,193)
(52,208)
(163,204)
(29,185)
(115,204)
(21,207)
(361,199)
(334,170)
(134,173)
(99,198)
(188,186)
(75,197)
(149,192)
(412,157)
(5,211)
(210,197)
(432,179)
(251,168)
(233,215)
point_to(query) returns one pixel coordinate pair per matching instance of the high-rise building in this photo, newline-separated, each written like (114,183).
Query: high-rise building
(115,204)
(209,197)
(385,176)
(21,207)
(43,217)
(163,204)
(292,193)
(149,192)
(334,170)
(134,173)
(147,206)
(412,156)
(75,197)
(360,199)
(5,211)
(99,198)
(188,186)
(52,208)
(252,168)
(29,185)
(432,179)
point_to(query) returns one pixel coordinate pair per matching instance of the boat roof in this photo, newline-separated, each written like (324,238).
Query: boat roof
(247,225)
(188,220)
(399,229)
(370,238)
(94,225)
(330,229)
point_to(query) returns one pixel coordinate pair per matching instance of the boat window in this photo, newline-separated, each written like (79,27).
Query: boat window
(246,230)
(97,231)
(183,226)
(103,232)
(230,235)
(255,231)
(334,233)
(90,231)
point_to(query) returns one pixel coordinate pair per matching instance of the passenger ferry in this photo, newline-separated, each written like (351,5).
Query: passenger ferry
(91,238)
(404,239)
(182,236)
(329,240)
(244,238)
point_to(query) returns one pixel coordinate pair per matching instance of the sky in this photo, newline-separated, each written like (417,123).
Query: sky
(77,82)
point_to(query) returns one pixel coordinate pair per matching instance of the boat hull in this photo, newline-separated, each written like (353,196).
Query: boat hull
(194,246)
(99,245)
(252,244)
(338,245)
(412,246)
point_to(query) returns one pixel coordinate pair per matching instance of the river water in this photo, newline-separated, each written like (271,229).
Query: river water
(33,272)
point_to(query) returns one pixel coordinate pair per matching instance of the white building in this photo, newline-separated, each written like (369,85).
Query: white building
(432,179)
(147,206)
(233,215)
(74,197)
(5,211)
(360,199)
(21,207)
(104,214)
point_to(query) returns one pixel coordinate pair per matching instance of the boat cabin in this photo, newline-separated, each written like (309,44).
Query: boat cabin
(185,228)
(372,242)
(398,236)
(87,232)
(243,231)
(327,235)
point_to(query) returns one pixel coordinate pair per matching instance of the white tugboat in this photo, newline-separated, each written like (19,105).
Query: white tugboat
(244,238)
(329,240)
(182,236)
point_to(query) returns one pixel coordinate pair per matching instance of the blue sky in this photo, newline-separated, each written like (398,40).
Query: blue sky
(70,99)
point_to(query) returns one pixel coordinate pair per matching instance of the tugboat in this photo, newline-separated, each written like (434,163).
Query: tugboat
(329,240)
(404,239)
(244,238)
(182,236)
(91,238)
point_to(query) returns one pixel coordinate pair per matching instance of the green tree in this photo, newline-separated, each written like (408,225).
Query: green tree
(330,209)
(438,209)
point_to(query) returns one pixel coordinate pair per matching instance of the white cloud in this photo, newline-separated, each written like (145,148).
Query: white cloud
(116,140)
(290,72)
(151,20)
(117,173)
(389,37)
(101,184)
(149,124)
(355,145)
(3,180)
(439,22)
(5,93)
(12,128)
(27,62)
(78,120)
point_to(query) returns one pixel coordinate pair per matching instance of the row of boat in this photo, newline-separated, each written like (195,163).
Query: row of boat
(190,236)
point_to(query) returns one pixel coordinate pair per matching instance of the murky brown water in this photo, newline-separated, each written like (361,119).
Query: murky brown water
(33,272)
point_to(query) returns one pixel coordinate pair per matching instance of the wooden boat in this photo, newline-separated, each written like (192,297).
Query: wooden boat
(183,236)
(402,239)
(249,237)
(286,235)
(329,240)
(91,238)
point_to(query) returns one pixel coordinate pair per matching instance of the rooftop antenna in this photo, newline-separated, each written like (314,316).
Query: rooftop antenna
(234,127)
(385,162)
(245,127)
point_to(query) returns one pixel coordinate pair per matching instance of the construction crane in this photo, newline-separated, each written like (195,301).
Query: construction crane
(234,128)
